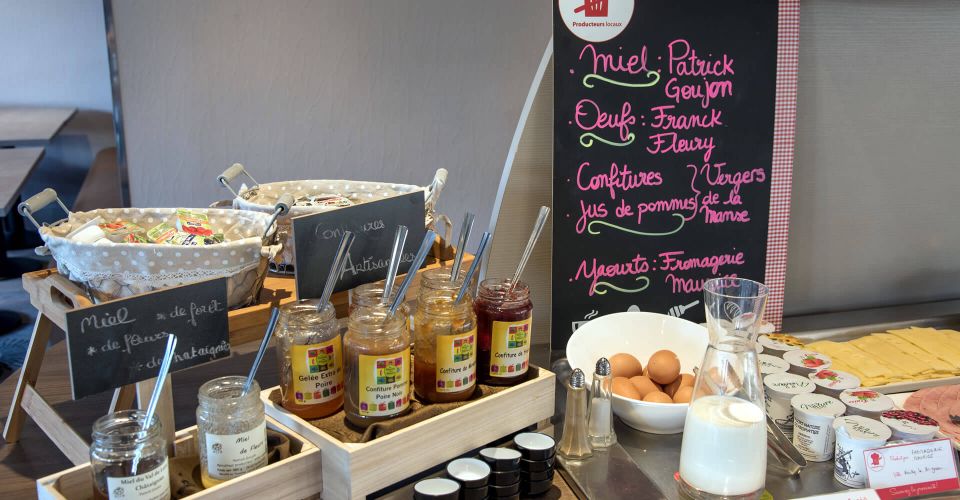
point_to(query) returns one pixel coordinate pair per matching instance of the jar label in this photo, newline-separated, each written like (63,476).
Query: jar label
(232,455)
(317,371)
(384,383)
(456,361)
(153,485)
(510,348)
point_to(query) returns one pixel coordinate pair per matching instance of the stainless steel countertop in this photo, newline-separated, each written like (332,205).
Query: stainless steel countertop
(656,458)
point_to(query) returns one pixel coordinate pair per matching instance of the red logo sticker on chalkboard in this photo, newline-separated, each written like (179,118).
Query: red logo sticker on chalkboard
(596,20)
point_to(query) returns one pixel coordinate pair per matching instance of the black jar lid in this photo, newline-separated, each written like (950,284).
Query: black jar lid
(534,445)
(436,488)
(538,476)
(536,487)
(469,472)
(501,459)
(536,465)
(504,478)
(504,491)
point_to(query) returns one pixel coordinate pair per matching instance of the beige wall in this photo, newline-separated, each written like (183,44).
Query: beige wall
(294,89)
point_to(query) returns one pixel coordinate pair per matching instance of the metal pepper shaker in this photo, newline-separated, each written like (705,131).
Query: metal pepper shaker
(600,428)
(575,443)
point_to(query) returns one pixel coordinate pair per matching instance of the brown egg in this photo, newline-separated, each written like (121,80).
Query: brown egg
(658,397)
(683,394)
(621,386)
(644,385)
(664,367)
(684,380)
(625,365)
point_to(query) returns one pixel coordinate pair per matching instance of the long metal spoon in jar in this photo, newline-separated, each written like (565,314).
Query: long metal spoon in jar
(532,242)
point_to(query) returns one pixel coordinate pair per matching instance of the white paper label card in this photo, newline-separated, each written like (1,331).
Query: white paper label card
(912,469)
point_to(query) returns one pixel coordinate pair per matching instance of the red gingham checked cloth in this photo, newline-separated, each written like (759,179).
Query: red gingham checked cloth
(784,125)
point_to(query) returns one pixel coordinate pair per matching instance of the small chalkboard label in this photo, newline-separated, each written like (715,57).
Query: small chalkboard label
(122,341)
(373,224)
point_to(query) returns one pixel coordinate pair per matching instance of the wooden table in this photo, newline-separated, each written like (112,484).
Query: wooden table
(23,126)
(16,165)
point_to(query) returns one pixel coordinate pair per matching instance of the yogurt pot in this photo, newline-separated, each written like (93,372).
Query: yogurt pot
(856,434)
(910,425)
(779,389)
(813,416)
(833,382)
(772,364)
(866,402)
(777,347)
(804,362)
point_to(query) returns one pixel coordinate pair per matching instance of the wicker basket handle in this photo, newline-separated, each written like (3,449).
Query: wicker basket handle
(284,202)
(231,173)
(38,202)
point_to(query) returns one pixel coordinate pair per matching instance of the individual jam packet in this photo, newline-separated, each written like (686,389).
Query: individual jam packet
(161,233)
(193,223)
(187,240)
(135,238)
(118,230)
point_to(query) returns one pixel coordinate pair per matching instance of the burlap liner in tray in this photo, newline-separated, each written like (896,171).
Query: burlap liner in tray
(337,426)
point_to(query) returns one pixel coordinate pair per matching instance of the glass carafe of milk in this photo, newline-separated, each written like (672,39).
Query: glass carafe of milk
(724,451)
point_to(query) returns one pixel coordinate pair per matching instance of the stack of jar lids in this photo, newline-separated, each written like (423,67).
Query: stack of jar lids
(538,452)
(503,473)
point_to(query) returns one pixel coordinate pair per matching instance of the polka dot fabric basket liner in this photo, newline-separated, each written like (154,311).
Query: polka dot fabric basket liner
(263,197)
(111,270)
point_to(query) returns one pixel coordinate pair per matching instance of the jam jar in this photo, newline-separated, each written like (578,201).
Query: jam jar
(376,366)
(119,440)
(231,430)
(504,329)
(310,356)
(445,366)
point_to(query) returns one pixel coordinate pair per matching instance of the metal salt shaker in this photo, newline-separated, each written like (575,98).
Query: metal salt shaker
(575,444)
(600,428)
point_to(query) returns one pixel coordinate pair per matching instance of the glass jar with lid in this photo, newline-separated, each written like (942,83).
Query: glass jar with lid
(310,357)
(377,366)
(445,354)
(504,331)
(119,440)
(231,430)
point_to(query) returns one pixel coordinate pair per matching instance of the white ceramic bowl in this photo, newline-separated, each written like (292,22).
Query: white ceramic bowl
(640,334)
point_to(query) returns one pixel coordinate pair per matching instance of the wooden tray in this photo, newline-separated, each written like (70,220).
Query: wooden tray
(53,295)
(355,470)
(297,476)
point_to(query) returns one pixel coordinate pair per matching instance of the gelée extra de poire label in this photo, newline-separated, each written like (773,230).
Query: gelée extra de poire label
(384,383)
(510,348)
(456,361)
(153,485)
(317,371)
(232,455)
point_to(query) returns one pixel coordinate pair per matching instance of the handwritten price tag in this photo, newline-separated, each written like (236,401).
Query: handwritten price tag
(912,469)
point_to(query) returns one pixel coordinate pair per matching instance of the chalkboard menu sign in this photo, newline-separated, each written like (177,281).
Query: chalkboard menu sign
(664,153)
(373,224)
(122,341)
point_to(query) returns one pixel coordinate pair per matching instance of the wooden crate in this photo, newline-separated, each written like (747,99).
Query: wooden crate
(355,470)
(53,295)
(297,476)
